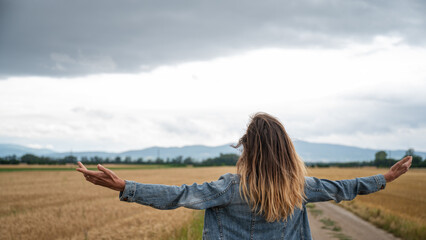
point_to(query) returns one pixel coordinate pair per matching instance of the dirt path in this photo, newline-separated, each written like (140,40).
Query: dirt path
(328,221)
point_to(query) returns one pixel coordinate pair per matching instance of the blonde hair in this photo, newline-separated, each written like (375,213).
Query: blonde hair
(272,174)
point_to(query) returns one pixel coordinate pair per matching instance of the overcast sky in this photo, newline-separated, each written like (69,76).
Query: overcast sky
(103,75)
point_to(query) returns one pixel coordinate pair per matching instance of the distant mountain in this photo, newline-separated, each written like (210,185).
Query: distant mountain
(325,152)
(198,152)
(310,152)
(195,151)
(18,150)
(79,155)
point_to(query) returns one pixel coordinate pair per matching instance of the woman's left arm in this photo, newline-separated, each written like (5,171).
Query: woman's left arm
(195,196)
(324,190)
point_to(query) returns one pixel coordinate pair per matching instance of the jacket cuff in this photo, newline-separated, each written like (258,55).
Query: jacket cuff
(128,194)
(381,181)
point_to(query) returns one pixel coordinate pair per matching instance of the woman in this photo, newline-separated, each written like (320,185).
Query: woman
(267,197)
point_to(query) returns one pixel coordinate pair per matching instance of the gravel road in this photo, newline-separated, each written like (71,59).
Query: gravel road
(328,221)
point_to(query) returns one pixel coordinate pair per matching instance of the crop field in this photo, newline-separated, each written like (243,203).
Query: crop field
(400,208)
(62,205)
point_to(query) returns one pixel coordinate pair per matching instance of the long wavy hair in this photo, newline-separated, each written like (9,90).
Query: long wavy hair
(272,174)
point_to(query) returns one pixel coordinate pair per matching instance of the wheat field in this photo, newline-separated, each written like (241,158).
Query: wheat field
(62,205)
(400,208)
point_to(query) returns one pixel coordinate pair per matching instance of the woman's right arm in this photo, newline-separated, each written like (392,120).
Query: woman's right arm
(195,196)
(318,190)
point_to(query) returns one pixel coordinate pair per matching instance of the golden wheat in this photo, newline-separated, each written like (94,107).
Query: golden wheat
(404,197)
(62,205)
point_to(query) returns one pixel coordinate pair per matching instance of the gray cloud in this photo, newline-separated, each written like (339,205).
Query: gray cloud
(367,116)
(68,38)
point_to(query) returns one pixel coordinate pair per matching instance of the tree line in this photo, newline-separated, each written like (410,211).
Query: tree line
(381,160)
(222,160)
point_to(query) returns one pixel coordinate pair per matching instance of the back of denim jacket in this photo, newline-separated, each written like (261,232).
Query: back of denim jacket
(237,221)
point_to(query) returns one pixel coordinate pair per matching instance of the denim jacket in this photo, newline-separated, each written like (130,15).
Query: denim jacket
(228,216)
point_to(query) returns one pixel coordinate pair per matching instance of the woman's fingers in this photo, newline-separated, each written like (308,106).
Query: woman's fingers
(85,171)
(81,168)
(406,159)
(93,180)
(404,165)
(105,177)
(409,161)
(105,170)
(402,161)
(399,168)
(88,172)
(95,177)
(81,165)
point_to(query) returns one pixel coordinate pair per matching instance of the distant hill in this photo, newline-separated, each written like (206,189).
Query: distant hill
(18,150)
(325,152)
(310,152)
(198,152)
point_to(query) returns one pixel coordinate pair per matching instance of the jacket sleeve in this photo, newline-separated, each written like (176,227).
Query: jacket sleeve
(318,190)
(195,196)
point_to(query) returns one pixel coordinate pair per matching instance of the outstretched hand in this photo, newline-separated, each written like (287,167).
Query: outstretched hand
(105,177)
(398,169)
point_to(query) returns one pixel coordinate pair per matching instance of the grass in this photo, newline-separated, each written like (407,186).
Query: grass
(341,236)
(328,223)
(192,231)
